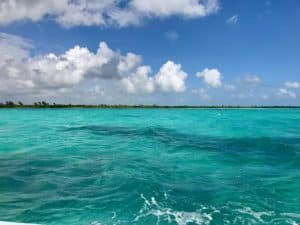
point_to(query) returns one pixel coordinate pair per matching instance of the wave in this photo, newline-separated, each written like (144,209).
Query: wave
(206,215)
(152,207)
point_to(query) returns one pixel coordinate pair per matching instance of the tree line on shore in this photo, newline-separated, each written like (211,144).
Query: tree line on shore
(43,104)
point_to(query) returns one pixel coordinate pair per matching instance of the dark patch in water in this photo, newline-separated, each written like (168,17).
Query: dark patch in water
(45,187)
(281,149)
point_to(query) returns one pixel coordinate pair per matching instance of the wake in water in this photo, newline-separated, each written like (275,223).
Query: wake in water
(152,208)
(154,212)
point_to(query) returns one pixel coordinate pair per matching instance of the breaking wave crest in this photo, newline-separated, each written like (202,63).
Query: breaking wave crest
(153,208)
(210,215)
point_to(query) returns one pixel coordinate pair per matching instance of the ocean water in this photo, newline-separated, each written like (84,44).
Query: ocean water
(135,166)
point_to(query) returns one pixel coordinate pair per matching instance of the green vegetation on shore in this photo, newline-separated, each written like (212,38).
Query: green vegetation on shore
(43,104)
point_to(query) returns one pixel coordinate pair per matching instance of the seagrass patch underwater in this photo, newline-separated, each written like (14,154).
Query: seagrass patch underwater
(148,166)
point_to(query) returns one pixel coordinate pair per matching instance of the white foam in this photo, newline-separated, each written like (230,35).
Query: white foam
(204,215)
(146,201)
(114,215)
(255,214)
(166,195)
(96,223)
(154,201)
(167,214)
(293,215)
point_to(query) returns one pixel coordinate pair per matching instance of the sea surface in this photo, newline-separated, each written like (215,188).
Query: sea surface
(150,166)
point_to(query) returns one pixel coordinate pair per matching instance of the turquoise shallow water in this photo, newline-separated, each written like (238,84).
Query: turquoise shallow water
(94,166)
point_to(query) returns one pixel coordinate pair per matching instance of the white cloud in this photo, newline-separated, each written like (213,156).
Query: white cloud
(186,8)
(233,19)
(211,77)
(140,82)
(102,12)
(202,93)
(73,66)
(13,47)
(285,92)
(13,51)
(171,77)
(292,84)
(129,62)
(252,79)
(97,90)
(21,72)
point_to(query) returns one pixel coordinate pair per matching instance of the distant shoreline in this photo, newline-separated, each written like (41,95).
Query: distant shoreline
(48,106)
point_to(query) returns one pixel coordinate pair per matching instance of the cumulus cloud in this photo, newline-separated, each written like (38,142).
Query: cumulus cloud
(71,13)
(252,79)
(70,68)
(211,77)
(171,77)
(129,62)
(292,84)
(140,81)
(285,92)
(21,72)
(233,19)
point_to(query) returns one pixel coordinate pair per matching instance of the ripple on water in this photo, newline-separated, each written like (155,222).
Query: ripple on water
(169,167)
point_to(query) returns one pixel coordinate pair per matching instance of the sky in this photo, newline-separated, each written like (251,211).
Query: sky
(172,52)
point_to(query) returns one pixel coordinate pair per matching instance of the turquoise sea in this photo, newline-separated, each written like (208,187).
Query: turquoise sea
(148,166)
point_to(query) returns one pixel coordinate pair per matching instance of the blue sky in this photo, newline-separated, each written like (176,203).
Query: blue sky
(250,49)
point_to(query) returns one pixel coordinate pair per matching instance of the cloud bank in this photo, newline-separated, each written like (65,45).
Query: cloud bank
(25,73)
(80,75)
(70,13)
